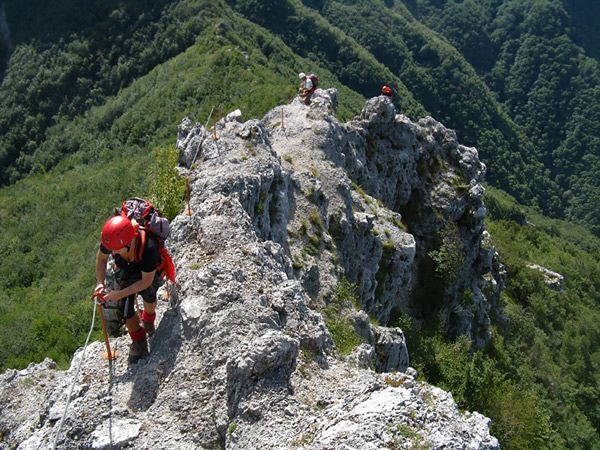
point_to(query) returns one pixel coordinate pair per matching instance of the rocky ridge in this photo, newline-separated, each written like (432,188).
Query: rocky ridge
(247,352)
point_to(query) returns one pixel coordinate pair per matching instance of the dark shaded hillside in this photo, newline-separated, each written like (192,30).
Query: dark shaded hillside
(419,61)
(71,56)
(586,23)
(538,60)
(515,89)
(57,75)
(512,78)
(441,79)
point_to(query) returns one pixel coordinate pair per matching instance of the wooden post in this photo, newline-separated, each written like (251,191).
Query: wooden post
(187,183)
(108,355)
(282,126)
(139,311)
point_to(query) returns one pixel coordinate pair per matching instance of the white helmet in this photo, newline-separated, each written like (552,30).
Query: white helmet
(302,75)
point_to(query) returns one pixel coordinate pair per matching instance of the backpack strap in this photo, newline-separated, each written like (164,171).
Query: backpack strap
(164,263)
(141,244)
(142,233)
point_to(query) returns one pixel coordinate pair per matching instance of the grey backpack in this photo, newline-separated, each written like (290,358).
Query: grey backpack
(146,216)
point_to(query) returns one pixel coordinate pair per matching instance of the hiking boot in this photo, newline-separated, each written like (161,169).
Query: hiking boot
(149,327)
(138,350)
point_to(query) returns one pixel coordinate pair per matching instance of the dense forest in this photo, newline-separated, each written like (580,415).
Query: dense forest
(91,89)
(519,80)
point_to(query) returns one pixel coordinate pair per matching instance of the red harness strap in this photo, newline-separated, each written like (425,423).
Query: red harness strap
(165,262)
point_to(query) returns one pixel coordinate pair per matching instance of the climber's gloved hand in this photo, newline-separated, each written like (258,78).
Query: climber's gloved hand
(99,294)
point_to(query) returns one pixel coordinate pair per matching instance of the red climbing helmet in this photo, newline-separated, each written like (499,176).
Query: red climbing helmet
(117,232)
(386,91)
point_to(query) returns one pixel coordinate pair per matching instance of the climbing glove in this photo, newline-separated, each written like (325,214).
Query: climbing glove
(99,294)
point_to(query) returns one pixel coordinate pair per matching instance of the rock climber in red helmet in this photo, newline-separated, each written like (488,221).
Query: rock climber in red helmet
(136,262)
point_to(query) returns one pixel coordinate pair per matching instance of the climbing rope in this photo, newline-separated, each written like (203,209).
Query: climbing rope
(64,414)
(209,116)
(198,148)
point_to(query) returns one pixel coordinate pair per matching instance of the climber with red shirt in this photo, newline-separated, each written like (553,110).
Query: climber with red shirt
(387,92)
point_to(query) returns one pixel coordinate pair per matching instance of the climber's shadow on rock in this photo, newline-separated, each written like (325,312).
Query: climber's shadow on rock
(149,372)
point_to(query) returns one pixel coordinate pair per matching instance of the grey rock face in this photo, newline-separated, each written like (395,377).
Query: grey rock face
(283,210)
(432,182)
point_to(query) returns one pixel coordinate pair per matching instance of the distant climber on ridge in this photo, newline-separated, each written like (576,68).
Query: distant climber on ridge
(387,92)
(308,85)
(137,256)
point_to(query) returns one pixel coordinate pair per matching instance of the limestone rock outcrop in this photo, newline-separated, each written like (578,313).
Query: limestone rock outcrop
(298,226)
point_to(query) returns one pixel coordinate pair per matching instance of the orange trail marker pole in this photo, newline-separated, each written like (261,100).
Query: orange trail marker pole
(108,355)
(282,126)
(215,123)
(187,183)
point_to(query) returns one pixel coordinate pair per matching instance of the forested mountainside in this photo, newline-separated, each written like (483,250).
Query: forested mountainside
(90,89)
(518,79)
(509,77)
